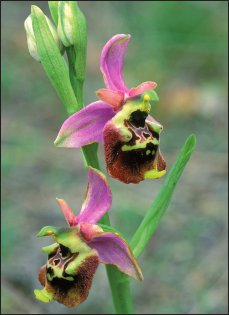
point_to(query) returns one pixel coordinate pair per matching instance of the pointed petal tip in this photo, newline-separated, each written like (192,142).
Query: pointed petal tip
(120,36)
(59,141)
(98,173)
(47,231)
(127,36)
(67,211)
(85,126)
(56,141)
(143,87)
(141,278)
(138,273)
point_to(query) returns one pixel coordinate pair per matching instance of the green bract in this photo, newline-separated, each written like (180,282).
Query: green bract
(52,61)
(72,31)
(53,7)
(71,24)
(32,46)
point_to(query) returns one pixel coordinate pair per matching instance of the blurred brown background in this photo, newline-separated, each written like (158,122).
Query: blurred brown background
(183,47)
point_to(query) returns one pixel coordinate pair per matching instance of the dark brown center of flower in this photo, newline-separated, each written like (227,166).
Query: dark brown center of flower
(64,251)
(70,290)
(140,131)
(138,118)
(59,259)
(134,159)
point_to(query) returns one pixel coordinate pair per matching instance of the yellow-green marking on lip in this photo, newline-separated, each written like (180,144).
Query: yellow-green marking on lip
(154,174)
(139,145)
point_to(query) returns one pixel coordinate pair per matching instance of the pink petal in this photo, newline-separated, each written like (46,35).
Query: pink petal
(111,62)
(85,126)
(114,250)
(113,98)
(145,86)
(98,198)
(88,231)
(69,215)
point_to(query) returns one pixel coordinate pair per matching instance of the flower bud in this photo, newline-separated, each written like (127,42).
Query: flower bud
(72,31)
(32,46)
(71,24)
(31,38)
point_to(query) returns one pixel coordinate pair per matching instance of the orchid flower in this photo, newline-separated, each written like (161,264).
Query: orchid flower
(78,249)
(121,119)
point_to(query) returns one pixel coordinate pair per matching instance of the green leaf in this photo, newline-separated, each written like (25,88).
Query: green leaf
(52,61)
(53,8)
(152,218)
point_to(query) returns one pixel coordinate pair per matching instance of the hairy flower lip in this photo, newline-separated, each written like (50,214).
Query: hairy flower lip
(78,249)
(70,293)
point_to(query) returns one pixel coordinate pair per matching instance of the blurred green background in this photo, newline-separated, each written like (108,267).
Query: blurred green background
(183,47)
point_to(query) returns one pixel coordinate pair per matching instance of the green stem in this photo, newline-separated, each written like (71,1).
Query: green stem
(119,283)
(77,83)
(120,288)
(90,155)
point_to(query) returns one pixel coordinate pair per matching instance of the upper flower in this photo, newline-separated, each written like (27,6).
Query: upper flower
(78,250)
(121,119)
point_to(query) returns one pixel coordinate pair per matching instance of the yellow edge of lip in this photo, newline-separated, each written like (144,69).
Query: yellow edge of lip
(154,174)
(43,295)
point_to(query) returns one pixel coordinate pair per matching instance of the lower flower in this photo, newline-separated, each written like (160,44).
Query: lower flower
(78,250)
